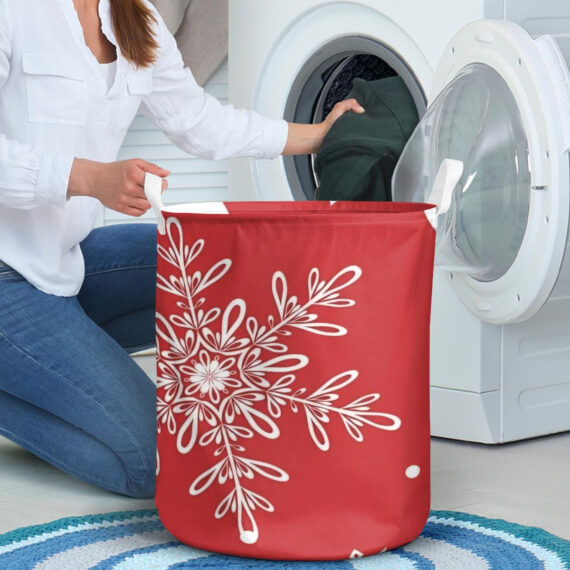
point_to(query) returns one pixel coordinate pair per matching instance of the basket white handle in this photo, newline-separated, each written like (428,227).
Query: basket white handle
(448,175)
(153,192)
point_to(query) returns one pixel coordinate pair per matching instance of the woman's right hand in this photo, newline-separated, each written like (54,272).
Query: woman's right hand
(117,185)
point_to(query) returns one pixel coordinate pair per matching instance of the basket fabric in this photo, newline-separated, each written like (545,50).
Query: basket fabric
(293,378)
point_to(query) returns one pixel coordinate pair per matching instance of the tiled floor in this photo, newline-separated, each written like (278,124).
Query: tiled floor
(526,482)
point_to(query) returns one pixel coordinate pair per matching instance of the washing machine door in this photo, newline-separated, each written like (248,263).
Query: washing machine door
(491,152)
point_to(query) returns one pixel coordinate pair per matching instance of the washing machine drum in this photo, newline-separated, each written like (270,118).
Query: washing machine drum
(491,154)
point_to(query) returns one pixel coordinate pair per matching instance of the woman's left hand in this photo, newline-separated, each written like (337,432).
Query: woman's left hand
(307,139)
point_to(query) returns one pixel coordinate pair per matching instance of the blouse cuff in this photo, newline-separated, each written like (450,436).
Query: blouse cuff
(53,179)
(274,137)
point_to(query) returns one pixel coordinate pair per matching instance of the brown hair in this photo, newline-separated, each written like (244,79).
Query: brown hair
(133,24)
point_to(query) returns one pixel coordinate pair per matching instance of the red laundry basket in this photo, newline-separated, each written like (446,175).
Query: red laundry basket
(293,377)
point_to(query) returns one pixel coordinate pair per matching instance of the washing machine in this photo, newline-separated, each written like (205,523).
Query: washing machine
(490,82)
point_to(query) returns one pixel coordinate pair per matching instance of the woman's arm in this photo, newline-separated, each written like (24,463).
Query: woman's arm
(200,125)
(29,177)
(307,139)
(120,185)
(117,185)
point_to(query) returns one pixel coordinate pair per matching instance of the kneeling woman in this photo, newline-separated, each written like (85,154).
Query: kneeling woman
(77,300)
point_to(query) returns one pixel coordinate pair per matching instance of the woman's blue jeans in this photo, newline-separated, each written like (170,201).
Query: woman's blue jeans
(69,391)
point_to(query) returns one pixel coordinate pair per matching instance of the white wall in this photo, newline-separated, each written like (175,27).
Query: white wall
(192,179)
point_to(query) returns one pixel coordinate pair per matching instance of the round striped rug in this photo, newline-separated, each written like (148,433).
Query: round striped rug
(136,540)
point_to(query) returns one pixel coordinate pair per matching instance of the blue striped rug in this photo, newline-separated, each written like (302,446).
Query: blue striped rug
(136,540)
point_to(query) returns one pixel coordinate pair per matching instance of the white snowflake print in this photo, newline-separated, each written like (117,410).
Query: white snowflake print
(210,377)
(225,378)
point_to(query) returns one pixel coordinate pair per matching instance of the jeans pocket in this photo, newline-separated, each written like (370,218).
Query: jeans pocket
(8,274)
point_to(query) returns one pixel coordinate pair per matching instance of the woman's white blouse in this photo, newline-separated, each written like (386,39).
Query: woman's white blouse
(110,71)
(55,105)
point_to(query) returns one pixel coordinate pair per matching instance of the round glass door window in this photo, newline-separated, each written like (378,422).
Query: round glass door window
(474,124)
